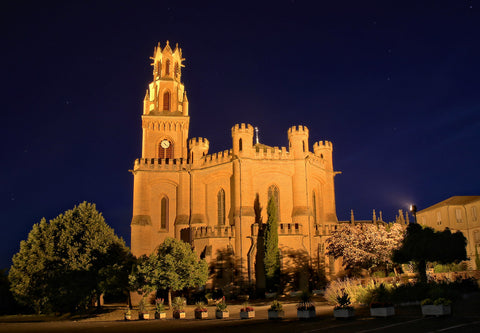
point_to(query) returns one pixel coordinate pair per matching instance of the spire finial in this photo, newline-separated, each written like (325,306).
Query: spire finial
(352,218)
(256,135)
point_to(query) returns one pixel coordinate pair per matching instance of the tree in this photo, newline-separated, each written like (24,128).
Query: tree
(272,253)
(423,244)
(63,263)
(365,246)
(172,267)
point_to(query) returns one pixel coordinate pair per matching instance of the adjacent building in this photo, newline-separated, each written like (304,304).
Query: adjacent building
(458,213)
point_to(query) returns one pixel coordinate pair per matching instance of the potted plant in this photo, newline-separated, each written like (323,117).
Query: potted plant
(142,310)
(276,310)
(200,311)
(178,304)
(305,309)
(128,314)
(247,311)
(437,307)
(343,309)
(381,305)
(160,309)
(221,309)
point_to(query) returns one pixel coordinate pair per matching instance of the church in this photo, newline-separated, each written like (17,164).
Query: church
(182,190)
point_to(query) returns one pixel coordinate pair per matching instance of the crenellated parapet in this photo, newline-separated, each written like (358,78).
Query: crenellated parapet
(323,150)
(174,164)
(213,232)
(298,130)
(242,128)
(273,153)
(199,142)
(320,145)
(218,158)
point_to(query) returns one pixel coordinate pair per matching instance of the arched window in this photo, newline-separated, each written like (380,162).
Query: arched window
(221,207)
(158,70)
(167,67)
(177,70)
(163,213)
(165,149)
(275,193)
(240,144)
(166,101)
(314,207)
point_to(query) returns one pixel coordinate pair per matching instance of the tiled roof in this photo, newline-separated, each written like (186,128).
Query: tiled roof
(458,200)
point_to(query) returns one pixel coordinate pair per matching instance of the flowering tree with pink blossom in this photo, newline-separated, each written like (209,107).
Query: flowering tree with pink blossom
(367,246)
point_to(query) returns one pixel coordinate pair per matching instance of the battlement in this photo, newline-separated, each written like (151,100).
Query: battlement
(198,142)
(271,153)
(173,164)
(300,129)
(323,145)
(242,128)
(213,232)
(290,229)
(218,158)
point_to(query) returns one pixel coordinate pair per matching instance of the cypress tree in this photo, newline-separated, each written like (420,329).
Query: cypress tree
(272,253)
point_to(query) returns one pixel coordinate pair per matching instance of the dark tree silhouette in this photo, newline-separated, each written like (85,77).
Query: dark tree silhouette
(423,244)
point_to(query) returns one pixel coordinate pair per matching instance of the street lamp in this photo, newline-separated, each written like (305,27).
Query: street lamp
(413,210)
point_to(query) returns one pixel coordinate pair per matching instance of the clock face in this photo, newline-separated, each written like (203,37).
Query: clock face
(165,144)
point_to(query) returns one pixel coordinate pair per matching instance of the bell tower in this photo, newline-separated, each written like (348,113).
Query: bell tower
(165,118)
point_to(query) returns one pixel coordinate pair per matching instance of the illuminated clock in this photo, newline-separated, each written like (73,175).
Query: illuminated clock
(165,144)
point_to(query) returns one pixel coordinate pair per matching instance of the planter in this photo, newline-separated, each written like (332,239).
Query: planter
(306,314)
(179,315)
(382,312)
(436,310)
(247,314)
(221,314)
(143,316)
(344,313)
(201,314)
(272,314)
(160,315)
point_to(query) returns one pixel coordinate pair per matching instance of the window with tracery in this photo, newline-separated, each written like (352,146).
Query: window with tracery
(275,193)
(221,207)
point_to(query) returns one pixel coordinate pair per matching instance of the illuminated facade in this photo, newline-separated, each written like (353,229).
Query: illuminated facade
(182,191)
(458,213)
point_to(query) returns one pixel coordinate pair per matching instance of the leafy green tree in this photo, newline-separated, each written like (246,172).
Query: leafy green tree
(423,244)
(272,253)
(172,267)
(477,258)
(66,262)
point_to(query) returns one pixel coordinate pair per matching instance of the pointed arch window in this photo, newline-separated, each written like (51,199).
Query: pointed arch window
(167,67)
(166,101)
(274,192)
(221,207)
(163,213)
(314,207)
(165,149)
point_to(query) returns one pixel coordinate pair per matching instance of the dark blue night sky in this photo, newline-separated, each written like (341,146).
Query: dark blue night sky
(393,84)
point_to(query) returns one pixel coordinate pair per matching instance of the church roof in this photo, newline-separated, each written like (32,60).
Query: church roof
(458,200)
